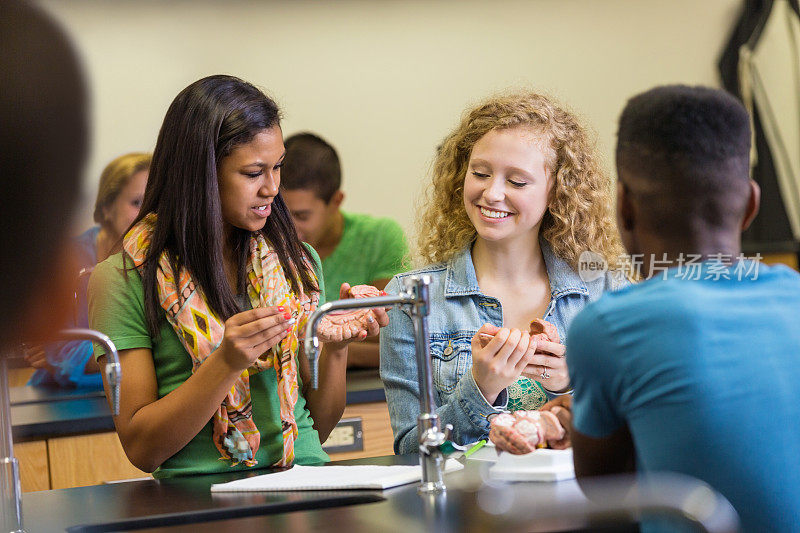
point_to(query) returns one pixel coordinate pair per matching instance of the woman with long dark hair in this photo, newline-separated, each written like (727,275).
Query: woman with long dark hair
(210,295)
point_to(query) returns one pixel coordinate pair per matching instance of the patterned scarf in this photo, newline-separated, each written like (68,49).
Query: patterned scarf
(201,330)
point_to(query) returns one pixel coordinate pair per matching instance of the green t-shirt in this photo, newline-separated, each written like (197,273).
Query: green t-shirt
(116,308)
(371,248)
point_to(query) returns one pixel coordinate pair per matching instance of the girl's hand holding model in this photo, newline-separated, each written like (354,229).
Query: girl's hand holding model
(501,355)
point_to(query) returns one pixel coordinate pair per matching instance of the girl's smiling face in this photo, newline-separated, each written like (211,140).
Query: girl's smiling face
(507,184)
(249,178)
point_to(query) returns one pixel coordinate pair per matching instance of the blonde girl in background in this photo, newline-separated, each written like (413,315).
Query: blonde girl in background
(119,197)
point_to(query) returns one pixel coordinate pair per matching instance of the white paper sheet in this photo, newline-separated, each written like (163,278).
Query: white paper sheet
(332,477)
(539,465)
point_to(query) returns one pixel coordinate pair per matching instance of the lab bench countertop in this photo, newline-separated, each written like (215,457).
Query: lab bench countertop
(43,412)
(187,505)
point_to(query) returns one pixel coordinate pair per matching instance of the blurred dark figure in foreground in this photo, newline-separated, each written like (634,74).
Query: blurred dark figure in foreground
(43,137)
(119,197)
(43,141)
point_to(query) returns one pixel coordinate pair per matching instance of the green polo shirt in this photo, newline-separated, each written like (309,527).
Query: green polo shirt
(116,308)
(371,248)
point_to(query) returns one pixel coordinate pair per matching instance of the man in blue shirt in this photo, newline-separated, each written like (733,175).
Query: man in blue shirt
(695,370)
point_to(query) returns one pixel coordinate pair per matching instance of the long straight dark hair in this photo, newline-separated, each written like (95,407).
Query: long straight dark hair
(202,125)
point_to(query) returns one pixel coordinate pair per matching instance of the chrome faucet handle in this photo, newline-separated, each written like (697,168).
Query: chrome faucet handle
(448,431)
(312,343)
(113,372)
(433,439)
(86,271)
(113,369)
(312,346)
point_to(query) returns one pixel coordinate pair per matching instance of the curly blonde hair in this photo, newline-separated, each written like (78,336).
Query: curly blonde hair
(579,215)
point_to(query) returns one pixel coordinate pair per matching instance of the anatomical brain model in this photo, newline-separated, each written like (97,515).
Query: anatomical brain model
(542,330)
(341,325)
(521,432)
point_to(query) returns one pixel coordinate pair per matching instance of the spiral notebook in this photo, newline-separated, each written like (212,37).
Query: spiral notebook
(332,477)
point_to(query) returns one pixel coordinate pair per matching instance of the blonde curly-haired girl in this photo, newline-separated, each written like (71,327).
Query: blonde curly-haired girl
(580,210)
(516,197)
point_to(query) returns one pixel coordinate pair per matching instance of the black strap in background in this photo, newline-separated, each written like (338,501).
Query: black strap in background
(772,223)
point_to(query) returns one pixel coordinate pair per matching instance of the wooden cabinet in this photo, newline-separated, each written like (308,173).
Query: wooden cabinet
(88,460)
(34,471)
(18,377)
(77,461)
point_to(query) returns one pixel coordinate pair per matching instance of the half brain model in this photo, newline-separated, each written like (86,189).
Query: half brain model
(522,432)
(341,325)
(542,330)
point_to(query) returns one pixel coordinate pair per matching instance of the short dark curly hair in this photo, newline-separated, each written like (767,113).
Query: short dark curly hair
(688,149)
(311,163)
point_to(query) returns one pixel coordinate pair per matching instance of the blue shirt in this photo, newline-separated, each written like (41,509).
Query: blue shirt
(457,310)
(69,359)
(706,375)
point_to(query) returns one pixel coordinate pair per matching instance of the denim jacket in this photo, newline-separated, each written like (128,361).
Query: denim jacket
(457,310)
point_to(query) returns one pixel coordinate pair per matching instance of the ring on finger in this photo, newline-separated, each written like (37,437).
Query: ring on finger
(545,374)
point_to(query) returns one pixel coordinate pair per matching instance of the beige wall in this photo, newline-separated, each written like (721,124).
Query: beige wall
(384,81)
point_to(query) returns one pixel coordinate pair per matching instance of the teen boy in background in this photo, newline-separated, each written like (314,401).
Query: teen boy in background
(356,249)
